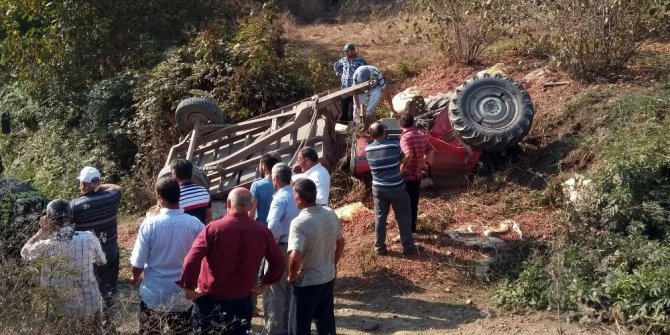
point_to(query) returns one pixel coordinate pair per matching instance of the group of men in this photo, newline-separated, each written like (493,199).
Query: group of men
(197,275)
(278,240)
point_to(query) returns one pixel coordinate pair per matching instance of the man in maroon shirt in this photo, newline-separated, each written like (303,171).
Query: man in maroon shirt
(418,151)
(220,270)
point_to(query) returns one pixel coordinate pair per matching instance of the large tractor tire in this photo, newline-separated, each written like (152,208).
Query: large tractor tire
(491,112)
(199,177)
(193,110)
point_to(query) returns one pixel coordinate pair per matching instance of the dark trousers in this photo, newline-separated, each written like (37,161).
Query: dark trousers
(108,277)
(216,316)
(151,322)
(413,188)
(383,199)
(347,105)
(312,303)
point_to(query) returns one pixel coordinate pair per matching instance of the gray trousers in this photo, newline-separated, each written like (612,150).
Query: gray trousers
(399,199)
(277,302)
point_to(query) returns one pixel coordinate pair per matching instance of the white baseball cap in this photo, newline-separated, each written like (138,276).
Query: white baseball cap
(88,174)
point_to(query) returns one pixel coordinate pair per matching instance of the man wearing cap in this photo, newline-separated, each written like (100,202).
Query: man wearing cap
(96,210)
(345,68)
(371,97)
(66,259)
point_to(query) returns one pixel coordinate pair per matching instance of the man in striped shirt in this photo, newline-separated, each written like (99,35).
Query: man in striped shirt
(388,189)
(96,210)
(194,199)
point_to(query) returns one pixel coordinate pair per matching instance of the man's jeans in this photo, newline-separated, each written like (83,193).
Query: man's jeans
(312,303)
(216,316)
(276,302)
(108,277)
(413,189)
(399,199)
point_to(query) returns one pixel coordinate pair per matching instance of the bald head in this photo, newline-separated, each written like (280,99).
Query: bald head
(377,130)
(239,200)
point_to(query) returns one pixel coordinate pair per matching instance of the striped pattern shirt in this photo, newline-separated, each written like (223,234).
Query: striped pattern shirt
(384,159)
(194,199)
(97,211)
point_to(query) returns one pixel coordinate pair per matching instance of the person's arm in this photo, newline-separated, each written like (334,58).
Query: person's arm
(276,262)
(338,68)
(191,267)
(405,154)
(140,253)
(252,210)
(136,276)
(294,266)
(275,215)
(105,187)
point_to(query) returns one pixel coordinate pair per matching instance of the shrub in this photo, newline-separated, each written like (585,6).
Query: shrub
(597,38)
(462,30)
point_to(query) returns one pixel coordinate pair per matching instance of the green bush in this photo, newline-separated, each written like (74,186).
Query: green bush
(596,38)
(463,30)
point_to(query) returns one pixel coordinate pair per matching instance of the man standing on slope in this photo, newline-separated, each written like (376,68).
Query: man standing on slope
(345,68)
(96,210)
(162,243)
(315,245)
(221,269)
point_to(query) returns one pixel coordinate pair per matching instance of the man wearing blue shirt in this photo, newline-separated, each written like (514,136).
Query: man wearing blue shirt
(262,190)
(388,189)
(345,68)
(282,210)
(162,243)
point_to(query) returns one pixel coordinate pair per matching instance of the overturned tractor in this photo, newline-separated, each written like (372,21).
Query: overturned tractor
(486,115)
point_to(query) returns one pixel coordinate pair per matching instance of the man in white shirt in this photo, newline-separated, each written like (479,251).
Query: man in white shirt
(65,259)
(161,246)
(308,160)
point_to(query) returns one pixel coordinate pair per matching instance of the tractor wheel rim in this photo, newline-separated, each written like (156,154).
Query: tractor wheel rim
(492,107)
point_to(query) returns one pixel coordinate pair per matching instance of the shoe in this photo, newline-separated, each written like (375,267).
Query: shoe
(413,250)
(382,251)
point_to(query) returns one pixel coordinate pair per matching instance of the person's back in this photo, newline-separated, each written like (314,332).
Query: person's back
(384,159)
(65,259)
(97,211)
(238,242)
(195,200)
(162,244)
(315,231)
(262,190)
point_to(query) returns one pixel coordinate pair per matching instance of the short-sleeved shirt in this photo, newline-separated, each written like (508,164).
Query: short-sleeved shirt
(262,190)
(67,259)
(320,176)
(374,74)
(414,145)
(282,211)
(345,68)
(315,232)
(194,199)
(162,243)
(97,211)
(384,159)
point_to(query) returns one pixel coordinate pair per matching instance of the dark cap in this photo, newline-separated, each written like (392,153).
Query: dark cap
(349,46)
(58,208)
